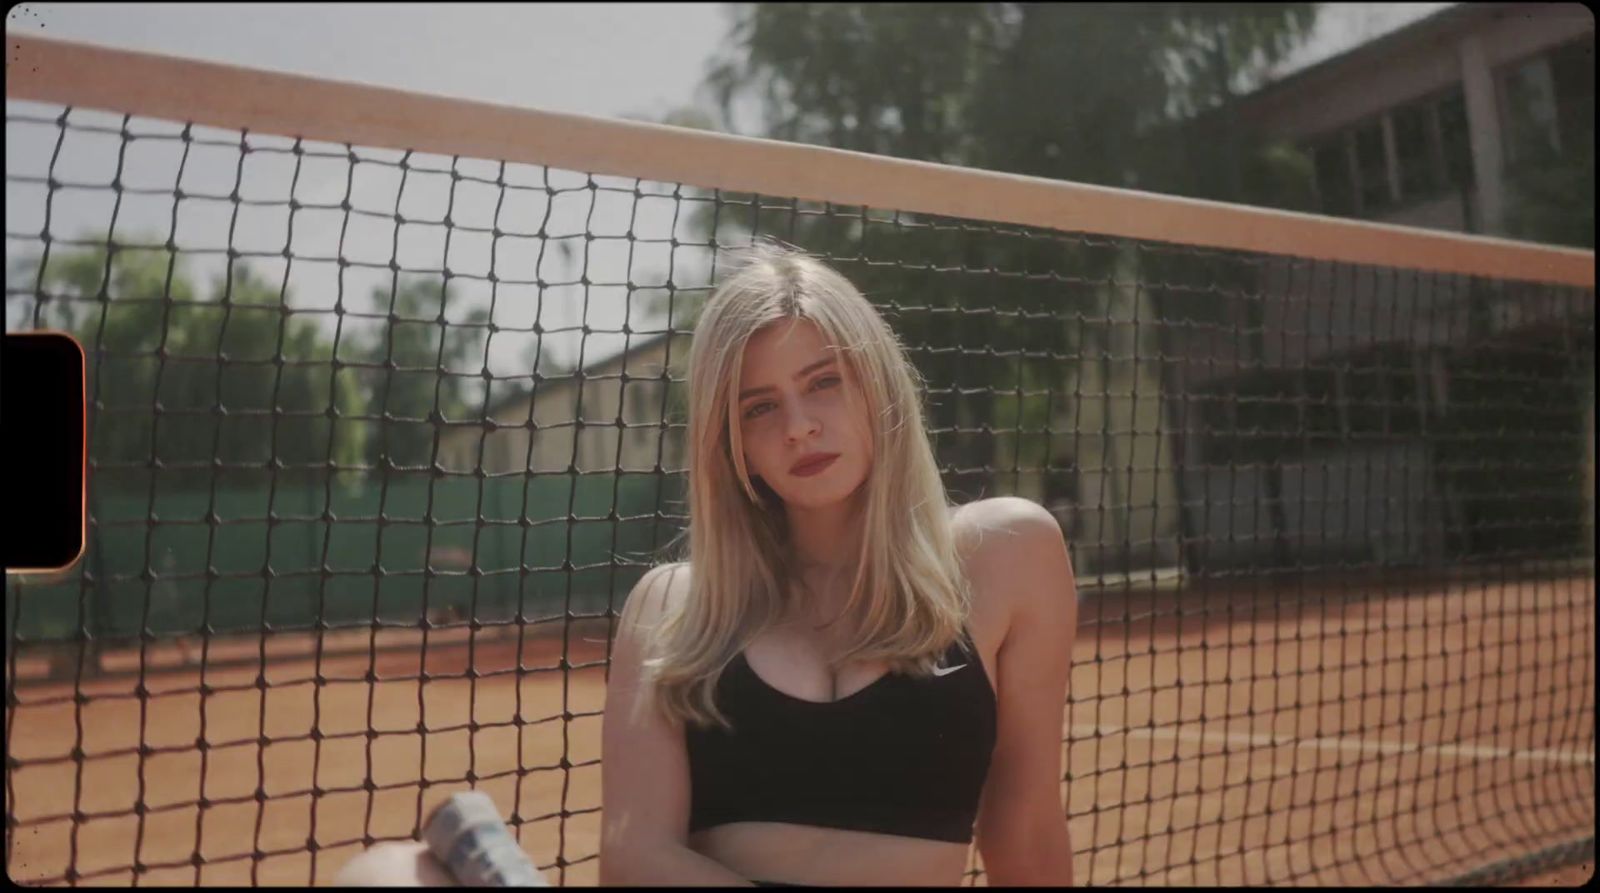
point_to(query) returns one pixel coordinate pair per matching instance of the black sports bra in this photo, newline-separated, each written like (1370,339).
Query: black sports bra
(902,756)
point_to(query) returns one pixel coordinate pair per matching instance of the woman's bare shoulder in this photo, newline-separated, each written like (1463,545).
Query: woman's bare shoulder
(984,528)
(999,540)
(661,590)
(674,573)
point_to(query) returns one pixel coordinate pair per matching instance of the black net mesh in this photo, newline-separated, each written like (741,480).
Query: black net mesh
(380,441)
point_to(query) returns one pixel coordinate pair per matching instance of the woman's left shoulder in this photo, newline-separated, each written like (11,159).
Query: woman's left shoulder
(1001,525)
(1013,551)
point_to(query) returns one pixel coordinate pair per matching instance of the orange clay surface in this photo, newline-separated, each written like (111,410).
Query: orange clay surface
(1278,736)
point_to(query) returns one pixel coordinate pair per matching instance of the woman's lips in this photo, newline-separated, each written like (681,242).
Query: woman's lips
(813,467)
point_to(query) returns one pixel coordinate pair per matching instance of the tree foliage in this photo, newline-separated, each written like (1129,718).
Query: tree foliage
(421,378)
(183,378)
(893,79)
(1093,93)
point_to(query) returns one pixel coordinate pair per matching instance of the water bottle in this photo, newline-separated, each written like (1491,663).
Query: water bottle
(467,835)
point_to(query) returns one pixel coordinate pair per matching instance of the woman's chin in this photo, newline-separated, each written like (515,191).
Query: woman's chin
(823,495)
(812,503)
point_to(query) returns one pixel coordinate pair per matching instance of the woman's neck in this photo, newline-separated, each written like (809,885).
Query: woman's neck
(827,539)
(824,547)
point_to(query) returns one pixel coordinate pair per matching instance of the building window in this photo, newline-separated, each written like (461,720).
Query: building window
(1372,168)
(1455,139)
(1548,101)
(1417,152)
(1548,114)
(1335,189)
(1432,151)
(1572,75)
(1528,105)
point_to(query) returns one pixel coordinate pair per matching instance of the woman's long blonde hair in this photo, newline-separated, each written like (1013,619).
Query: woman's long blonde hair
(909,597)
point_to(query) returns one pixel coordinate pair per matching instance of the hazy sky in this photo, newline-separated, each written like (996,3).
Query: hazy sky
(606,59)
(1341,26)
(598,59)
(587,58)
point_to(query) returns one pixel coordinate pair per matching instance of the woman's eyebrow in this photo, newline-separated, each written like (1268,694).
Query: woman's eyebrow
(751,392)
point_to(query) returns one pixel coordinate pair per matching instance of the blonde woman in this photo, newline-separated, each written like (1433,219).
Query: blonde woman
(848,677)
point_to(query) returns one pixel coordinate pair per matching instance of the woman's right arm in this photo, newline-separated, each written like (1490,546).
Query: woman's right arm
(644,765)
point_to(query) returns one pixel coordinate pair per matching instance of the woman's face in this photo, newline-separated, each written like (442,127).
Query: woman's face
(792,404)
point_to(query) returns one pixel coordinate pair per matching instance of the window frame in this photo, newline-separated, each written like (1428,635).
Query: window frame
(1441,181)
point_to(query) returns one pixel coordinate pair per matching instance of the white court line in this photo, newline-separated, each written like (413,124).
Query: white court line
(1363,746)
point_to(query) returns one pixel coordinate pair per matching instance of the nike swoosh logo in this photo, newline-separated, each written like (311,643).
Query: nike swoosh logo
(945,671)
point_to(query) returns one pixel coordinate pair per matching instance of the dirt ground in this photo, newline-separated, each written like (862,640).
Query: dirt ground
(1304,737)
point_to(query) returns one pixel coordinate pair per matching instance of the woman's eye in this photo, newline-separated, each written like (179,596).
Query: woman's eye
(761,408)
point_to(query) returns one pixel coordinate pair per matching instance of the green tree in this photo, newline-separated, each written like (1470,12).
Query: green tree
(1095,93)
(892,78)
(181,378)
(424,370)
(235,375)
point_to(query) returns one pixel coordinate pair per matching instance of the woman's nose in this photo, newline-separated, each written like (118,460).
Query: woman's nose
(802,423)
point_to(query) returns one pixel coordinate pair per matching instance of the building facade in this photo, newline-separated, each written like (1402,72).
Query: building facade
(1421,126)
(1392,400)
(624,414)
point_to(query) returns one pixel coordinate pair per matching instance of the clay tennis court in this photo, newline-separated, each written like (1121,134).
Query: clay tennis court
(1336,734)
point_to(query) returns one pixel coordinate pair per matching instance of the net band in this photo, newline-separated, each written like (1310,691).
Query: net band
(233,97)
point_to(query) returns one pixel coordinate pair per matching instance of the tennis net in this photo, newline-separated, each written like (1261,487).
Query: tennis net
(386,418)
